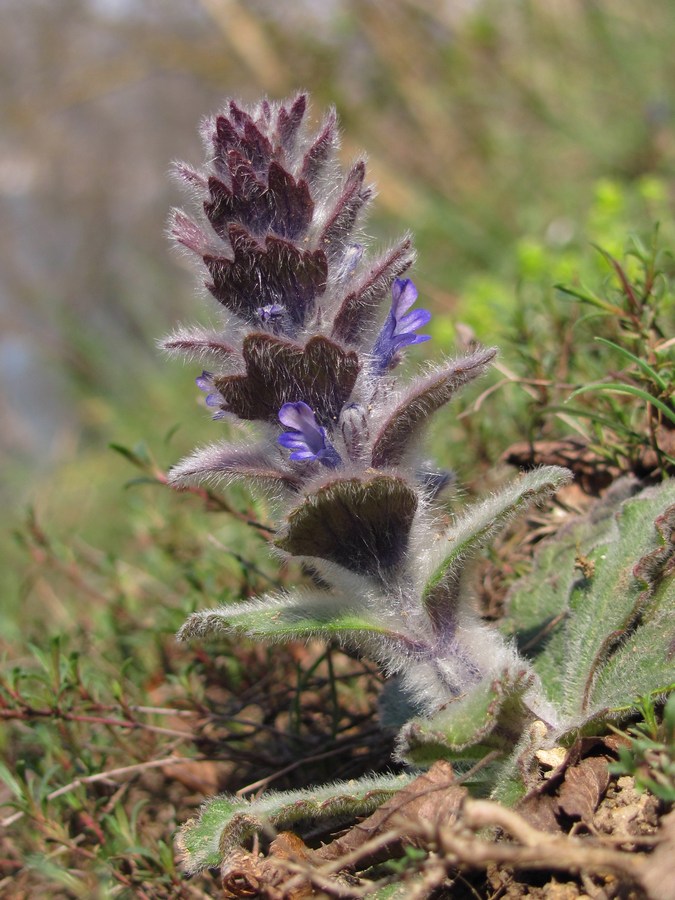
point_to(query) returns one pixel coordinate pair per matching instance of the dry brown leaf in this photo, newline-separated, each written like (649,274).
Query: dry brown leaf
(433,797)
(241,876)
(583,788)
(539,811)
(540,805)
(247,875)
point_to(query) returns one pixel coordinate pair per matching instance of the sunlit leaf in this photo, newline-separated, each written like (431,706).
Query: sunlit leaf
(224,822)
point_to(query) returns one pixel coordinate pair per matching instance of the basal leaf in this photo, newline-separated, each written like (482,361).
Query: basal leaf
(224,822)
(465,727)
(598,611)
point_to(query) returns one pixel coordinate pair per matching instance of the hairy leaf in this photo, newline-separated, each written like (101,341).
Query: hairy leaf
(244,202)
(321,150)
(321,374)
(290,203)
(424,397)
(433,797)
(289,122)
(466,727)
(258,276)
(360,305)
(199,343)
(599,607)
(361,525)
(186,232)
(296,616)
(349,204)
(225,822)
(236,131)
(474,529)
(233,462)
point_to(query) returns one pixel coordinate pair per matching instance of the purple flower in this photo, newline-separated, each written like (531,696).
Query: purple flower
(271,312)
(307,440)
(205,383)
(400,325)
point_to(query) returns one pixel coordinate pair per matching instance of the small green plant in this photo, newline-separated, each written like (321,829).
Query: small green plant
(636,315)
(302,350)
(650,756)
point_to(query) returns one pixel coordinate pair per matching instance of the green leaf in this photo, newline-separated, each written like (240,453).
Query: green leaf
(601,387)
(649,371)
(587,297)
(224,822)
(294,616)
(465,728)
(598,610)
(476,527)
(609,422)
(138,456)
(11,782)
(142,479)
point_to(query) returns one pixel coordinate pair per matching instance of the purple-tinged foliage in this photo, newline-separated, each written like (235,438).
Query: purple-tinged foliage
(282,205)
(218,463)
(279,371)
(299,351)
(353,197)
(306,439)
(277,273)
(404,423)
(321,151)
(199,343)
(360,524)
(358,308)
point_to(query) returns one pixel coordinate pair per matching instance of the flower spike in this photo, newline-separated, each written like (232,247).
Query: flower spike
(296,348)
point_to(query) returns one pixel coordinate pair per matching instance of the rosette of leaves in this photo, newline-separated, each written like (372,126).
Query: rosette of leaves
(309,333)
(596,616)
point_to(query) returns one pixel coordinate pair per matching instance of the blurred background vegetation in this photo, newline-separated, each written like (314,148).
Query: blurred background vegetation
(507,136)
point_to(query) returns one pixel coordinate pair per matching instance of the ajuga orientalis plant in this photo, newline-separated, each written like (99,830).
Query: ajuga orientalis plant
(311,328)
